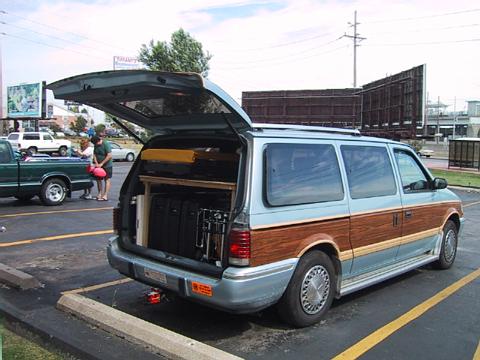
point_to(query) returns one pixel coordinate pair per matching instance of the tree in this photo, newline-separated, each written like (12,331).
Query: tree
(55,128)
(183,53)
(79,124)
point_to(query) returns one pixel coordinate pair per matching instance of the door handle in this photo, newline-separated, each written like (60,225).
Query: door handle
(408,214)
(395,220)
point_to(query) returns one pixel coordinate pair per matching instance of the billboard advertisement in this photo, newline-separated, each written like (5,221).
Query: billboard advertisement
(24,101)
(126,63)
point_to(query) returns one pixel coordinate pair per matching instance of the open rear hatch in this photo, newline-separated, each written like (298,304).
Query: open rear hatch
(158,101)
(180,199)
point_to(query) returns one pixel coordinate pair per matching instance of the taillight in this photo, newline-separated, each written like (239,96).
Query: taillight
(240,241)
(116,220)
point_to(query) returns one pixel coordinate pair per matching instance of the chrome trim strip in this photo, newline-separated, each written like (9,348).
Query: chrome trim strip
(259,271)
(365,280)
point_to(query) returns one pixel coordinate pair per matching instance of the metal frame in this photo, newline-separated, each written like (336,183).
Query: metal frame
(323,129)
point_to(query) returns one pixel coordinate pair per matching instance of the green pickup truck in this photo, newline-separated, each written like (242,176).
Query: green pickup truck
(52,179)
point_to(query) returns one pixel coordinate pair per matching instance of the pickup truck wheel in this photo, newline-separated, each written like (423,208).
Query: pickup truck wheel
(53,192)
(24,197)
(32,150)
(448,249)
(310,292)
(62,151)
(130,157)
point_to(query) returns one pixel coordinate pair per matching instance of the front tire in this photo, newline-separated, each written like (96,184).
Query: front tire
(448,250)
(310,292)
(53,192)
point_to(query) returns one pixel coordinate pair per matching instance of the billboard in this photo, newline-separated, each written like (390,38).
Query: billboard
(126,63)
(391,107)
(24,101)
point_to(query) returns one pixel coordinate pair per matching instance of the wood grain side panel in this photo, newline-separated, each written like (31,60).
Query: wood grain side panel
(427,217)
(373,228)
(285,242)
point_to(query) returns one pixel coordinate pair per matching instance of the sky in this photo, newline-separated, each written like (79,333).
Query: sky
(256,44)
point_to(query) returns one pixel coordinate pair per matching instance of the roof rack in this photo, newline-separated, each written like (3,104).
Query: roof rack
(324,129)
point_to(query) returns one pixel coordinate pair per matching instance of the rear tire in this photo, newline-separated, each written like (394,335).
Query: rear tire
(62,151)
(32,150)
(53,192)
(310,292)
(130,157)
(448,250)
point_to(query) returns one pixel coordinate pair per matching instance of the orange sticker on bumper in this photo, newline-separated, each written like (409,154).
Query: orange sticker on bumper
(201,289)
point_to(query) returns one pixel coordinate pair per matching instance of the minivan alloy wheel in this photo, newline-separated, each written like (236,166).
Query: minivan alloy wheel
(315,289)
(450,245)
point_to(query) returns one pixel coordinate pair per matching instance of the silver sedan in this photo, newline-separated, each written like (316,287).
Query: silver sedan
(121,153)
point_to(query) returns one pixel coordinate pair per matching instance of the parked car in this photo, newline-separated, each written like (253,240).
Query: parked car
(241,216)
(52,179)
(121,153)
(42,142)
(426,152)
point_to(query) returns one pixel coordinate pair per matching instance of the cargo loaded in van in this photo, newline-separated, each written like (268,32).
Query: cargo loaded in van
(181,203)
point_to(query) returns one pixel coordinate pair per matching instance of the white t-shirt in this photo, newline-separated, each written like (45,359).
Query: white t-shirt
(87,154)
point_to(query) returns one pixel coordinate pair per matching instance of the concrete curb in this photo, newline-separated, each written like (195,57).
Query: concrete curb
(17,278)
(161,340)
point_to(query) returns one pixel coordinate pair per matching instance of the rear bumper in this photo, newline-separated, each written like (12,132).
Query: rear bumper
(239,290)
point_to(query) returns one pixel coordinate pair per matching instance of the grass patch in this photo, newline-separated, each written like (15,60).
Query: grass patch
(458,177)
(15,347)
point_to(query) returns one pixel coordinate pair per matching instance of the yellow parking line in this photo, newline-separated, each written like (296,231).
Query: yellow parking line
(56,237)
(471,204)
(476,356)
(96,287)
(381,334)
(55,212)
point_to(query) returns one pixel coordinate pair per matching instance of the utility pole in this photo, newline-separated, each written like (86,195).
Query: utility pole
(454,117)
(356,39)
(438,119)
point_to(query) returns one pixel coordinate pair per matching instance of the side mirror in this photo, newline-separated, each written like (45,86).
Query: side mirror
(439,183)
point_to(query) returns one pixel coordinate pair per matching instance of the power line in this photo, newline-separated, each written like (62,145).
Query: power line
(51,36)
(50,45)
(293,42)
(424,17)
(427,43)
(287,56)
(271,64)
(431,28)
(62,30)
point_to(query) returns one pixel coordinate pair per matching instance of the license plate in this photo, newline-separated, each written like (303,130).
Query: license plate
(155,275)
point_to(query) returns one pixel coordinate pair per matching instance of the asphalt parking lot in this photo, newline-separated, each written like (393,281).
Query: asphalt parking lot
(64,248)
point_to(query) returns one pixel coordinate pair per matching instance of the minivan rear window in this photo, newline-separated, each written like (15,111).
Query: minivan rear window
(178,103)
(301,174)
(369,171)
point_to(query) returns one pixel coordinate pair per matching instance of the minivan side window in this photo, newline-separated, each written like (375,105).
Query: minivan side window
(412,176)
(301,174)
(369,171)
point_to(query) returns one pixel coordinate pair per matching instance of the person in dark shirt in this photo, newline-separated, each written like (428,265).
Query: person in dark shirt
(102,157)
